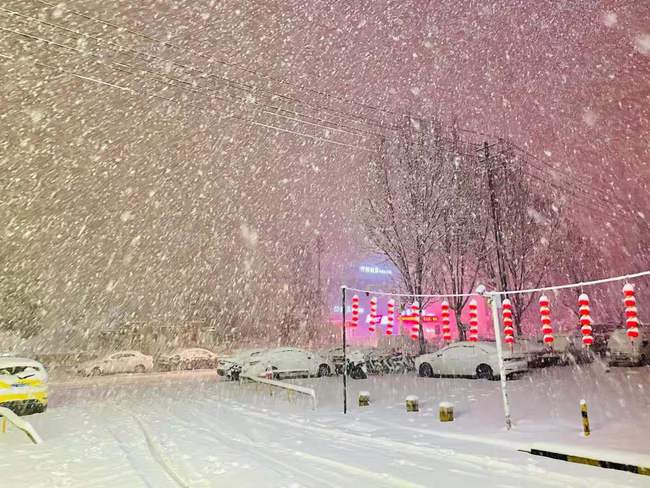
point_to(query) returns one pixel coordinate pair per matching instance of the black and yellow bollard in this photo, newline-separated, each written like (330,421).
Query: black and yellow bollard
(364,399)
(585,418)
(412,403)
(446,412)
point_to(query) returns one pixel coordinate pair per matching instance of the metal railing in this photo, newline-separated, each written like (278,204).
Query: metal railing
(26,427)
(289,387)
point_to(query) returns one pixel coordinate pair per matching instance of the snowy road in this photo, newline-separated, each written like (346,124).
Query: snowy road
(197,431)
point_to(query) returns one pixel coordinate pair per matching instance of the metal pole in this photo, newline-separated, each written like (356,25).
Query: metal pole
(345,357)
(502,368)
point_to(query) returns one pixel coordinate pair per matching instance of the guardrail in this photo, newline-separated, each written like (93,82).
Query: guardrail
(26,427)
(289,387)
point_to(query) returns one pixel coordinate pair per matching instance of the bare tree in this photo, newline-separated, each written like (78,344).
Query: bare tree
(301,307)
(407,200)
(585,261)
(527,228)
(461,248)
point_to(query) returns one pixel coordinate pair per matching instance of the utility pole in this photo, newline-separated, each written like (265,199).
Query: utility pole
(319,250)
(496,220)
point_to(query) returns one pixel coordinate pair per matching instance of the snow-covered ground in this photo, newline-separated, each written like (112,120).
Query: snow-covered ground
(192,429)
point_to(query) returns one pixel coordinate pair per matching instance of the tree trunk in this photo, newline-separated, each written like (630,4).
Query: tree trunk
(462,329)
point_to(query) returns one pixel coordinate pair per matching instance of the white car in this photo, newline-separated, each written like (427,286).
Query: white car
(117,362)
(622,351)
(469,359)
(531,348)
(230,366)
(356,359)
(23,385)
(286,362)
(190,358)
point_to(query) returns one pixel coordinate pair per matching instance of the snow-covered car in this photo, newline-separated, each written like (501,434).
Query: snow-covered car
(230,366)
(286,362)
(23,385)
(469,359)
(117,362)
(532,349)
(568,347)
(622,351)
(356,359)
(189,358)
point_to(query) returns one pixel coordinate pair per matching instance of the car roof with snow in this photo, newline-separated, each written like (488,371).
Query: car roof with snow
(487,344)
(282,349)
(126,351)
(10,362)
(189,349)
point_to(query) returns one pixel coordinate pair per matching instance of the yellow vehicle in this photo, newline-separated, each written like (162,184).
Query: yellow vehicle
(23,385)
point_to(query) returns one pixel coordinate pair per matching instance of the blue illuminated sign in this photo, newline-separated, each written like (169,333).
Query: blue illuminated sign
(375,270)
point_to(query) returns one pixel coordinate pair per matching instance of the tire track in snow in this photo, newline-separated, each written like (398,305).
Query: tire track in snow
(253,448)
(152,449)
(158,455)
(542,476)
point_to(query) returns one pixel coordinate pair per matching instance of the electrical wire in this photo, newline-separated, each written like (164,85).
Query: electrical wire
(274,109)
(196,106)
(230,64)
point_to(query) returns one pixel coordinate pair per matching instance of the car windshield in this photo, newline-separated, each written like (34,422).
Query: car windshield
(18,370)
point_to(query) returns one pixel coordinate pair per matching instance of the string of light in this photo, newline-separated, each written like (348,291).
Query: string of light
(580,285)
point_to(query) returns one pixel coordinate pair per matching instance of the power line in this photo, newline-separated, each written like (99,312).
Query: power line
(275,109)
(98,81)
(124,68)
(547,164)
(122,65)
(225,63)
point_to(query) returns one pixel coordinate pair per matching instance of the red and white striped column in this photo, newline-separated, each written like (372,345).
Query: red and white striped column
(545,313)
(390,316)
(415,322)
(444,319)
(508,330)
(631,313)
(584,313)
(473,320)
(372,325)
(354,321)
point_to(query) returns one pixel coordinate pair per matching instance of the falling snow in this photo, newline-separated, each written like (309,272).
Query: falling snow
(177,174)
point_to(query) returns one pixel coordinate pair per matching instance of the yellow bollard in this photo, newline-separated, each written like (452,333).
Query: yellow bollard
(585,418)
(412,403)
(4,425)
(364,399)
(446,412)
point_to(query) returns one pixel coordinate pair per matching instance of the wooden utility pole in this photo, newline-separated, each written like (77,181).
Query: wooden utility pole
(495,212)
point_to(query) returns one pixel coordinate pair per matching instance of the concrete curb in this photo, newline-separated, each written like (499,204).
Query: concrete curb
(631,468)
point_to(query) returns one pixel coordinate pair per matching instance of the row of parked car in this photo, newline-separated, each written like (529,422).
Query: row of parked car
(287,362)
(137,362)
(480,359)
(459,359)
(23,382)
